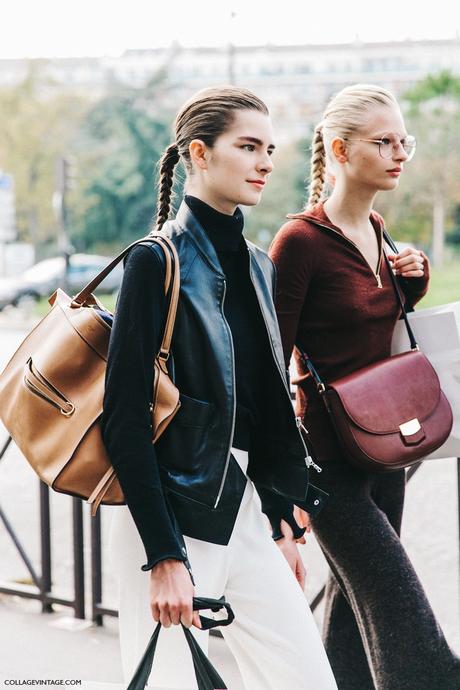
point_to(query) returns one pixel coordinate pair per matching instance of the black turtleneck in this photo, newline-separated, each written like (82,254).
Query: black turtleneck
(136,334)
(241,309)
(224,231)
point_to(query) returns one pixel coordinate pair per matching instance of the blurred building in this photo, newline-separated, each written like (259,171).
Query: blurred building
(295,81)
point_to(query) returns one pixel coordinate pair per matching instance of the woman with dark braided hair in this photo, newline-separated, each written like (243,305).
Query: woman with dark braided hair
(191,504)
(336,303)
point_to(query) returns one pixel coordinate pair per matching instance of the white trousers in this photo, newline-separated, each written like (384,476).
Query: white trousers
(273,638)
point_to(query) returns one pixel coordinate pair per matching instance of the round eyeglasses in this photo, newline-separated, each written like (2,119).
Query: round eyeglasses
(390,143)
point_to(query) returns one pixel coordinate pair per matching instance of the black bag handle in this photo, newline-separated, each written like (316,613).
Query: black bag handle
(397,289)
(413,342)
(389,240)
(206,675)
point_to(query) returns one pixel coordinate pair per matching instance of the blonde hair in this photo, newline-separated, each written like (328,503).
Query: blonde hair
(207,115)
(345,113)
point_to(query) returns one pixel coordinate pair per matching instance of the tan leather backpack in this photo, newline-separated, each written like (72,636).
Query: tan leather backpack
(51,390)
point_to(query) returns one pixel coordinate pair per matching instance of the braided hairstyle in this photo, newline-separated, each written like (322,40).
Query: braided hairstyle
(317,166)
(207,115)
(167,163)
(345,114)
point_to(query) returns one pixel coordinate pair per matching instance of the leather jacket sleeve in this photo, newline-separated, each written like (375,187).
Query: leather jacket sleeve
(126,423)
(277,508)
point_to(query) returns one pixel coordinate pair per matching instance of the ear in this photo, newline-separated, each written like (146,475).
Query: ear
(198,154)
(339,150)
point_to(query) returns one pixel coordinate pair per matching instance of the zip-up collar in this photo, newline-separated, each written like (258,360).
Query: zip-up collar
(318,217)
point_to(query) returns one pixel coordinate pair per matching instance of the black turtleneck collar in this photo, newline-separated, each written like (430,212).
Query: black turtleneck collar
(223,230)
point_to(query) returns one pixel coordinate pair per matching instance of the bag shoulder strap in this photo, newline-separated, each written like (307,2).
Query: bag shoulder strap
(172,283)
(390,242)
(84,293)
(172,286)
(413,342)
(397,289)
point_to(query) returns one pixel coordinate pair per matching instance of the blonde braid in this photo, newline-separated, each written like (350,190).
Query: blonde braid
(318,167)
(167,164)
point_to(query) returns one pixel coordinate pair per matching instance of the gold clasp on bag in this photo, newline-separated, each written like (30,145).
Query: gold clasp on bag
(69,412)
(410,428)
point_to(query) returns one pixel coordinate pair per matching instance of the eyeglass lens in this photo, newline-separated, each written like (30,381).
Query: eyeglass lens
(391,142)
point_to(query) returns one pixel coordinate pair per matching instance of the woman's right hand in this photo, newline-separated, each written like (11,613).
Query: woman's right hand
(303,519)
(171,594)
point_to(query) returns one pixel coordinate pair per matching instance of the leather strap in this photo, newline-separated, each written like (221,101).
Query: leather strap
(85,292)
(397,289)
(172,286)
(174,298)
(101,489)
(206,675)
(413,342)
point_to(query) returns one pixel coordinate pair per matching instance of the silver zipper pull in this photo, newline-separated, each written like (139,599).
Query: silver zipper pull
(311,463)
(308,459)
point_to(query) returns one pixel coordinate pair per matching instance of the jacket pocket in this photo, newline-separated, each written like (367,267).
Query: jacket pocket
(183,447)
(193,412)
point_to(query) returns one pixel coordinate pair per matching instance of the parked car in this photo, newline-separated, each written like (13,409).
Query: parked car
(42,279)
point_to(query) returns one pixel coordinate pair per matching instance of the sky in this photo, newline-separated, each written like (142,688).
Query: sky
(67,28)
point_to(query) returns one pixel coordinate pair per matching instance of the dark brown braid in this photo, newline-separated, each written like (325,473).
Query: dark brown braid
(168,162)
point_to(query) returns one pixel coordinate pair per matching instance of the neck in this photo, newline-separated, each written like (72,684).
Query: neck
(216,201)
(350,205)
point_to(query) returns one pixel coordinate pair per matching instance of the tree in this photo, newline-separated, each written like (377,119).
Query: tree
(431,188)
(36,129)
(119,147)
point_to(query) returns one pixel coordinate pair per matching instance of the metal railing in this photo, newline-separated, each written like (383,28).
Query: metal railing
(42,588)
(42,583)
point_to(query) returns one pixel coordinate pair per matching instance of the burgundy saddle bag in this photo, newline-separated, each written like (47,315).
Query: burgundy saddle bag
(389,414)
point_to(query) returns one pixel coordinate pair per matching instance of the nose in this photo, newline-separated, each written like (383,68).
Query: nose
(265,164)
(399,153)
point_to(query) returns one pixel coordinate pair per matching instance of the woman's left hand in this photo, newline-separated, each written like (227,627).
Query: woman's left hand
(288,548)
(410,263)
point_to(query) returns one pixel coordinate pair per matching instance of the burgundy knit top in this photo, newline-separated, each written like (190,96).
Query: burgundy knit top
(330,303)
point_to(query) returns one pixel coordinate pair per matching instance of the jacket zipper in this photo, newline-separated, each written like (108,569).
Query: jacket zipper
(308,459)
(224,476)
(347,239)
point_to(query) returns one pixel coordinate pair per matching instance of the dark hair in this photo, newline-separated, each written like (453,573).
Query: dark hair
(207,115)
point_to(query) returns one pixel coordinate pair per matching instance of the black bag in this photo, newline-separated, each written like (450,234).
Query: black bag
(206,675)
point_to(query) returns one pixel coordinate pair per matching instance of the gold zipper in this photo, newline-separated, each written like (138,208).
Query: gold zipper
(347,239)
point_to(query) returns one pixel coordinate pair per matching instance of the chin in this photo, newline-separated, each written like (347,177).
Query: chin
(250,199)
(389,185)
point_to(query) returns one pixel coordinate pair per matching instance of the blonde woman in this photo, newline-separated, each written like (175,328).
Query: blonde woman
(335,300)
(191,504)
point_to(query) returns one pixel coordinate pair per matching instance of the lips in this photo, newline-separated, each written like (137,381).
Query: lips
(259,183)
(395,170)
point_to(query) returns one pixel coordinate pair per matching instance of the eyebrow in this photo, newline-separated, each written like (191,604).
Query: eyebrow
(402,136)
(255,140)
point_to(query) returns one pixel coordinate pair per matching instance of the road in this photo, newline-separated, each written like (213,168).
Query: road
(430,527)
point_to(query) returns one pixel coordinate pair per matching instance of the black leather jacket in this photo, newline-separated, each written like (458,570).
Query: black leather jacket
(194,451)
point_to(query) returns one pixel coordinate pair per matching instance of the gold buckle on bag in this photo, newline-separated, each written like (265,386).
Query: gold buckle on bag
(410,428)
